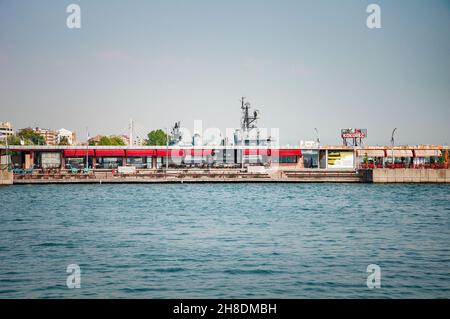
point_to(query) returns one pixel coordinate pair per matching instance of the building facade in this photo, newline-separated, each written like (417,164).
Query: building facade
(6,130)
(68,135)
(49,136)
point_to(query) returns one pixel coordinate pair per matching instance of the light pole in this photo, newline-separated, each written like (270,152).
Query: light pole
(167,149)
(393,143)
(242,150)
(87,148)
(318,146)
(7,152)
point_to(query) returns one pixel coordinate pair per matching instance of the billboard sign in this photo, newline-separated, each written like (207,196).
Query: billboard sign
(340,159)
(354,133)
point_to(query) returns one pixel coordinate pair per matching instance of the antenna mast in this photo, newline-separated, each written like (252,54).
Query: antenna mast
(248,121)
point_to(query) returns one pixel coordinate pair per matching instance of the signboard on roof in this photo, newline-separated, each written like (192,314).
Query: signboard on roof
(354,133)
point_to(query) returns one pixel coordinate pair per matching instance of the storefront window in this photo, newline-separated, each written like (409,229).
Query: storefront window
(109,162)
(138,162)
(284,159)
(311,159)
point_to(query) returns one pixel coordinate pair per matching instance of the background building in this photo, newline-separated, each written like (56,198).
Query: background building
(5,129)
(49,135)
(69,135)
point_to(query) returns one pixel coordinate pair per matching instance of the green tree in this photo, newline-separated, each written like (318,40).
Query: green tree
(64,141)
(157,137)
(111,141)
(13,140)
(31,137)
(116,141)
(366,159)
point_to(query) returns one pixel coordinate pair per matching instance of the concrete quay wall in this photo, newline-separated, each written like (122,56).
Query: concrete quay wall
(6,178)
(407,175)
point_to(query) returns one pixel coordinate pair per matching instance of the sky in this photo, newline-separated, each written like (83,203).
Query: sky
(303,64)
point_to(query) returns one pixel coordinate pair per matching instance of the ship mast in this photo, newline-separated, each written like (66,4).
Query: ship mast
(248,121)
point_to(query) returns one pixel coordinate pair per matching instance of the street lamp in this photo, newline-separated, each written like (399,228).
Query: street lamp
(242,150)
(87,149)
(318,146)
(393,143)
(167,149)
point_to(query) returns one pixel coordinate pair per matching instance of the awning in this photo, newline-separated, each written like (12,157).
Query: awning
(109,153)
(286,152)
(199,152)
(257,152)
(172,153)
(208,152)
(195,152)
(370,153)
(78,153)
(400,153)
(140,153)
(427,153)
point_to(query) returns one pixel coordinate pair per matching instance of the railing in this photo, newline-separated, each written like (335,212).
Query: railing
(103,174)
(401,165)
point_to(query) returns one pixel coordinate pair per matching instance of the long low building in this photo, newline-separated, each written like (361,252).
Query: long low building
(155,157)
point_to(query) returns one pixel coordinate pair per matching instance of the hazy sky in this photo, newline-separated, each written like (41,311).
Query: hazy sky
(303,64)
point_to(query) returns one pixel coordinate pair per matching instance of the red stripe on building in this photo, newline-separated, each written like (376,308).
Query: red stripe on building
(140,153)
(110,153)
(195,152)
(257,152)
(286,152)
(78,153)
(174,153)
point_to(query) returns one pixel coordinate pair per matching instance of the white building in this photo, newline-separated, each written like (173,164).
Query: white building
(70,136)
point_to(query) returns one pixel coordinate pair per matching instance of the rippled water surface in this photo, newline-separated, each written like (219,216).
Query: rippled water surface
(227,240)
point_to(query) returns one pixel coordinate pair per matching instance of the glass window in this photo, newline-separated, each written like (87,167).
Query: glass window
(109,162)
(285,159)
(138,162)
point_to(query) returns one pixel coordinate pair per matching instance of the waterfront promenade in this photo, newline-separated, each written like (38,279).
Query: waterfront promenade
(238,176)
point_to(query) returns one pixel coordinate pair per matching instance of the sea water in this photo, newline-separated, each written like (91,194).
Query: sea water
(225,240)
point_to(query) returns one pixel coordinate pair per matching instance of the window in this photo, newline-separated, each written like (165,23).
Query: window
(285,159)
(138,162)
(109,162)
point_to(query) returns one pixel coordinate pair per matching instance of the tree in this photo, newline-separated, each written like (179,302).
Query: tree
(111,141)
(13,140)
(116,141)
(31,137)
(64,141)
(366,159)
(157,137)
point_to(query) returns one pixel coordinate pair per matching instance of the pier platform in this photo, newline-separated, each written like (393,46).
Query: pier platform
(193,176)
(238,176)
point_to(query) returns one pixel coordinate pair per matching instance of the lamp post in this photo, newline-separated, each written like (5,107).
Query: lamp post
(7,151)
(87,148)
(242,150)
(167,149)
(393,143)
(318,146)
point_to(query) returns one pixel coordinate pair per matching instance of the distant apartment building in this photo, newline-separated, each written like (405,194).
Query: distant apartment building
(139,141)
(94,140)
(68,135)
(50,136)
(125,139)
(5,129)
